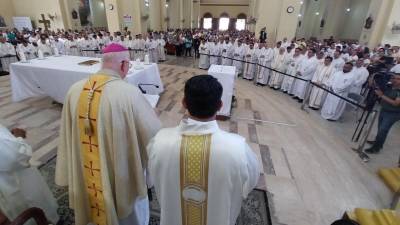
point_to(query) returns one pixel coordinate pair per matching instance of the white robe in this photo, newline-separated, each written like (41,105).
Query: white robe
(216,51)
(238,54)
(249,69)
(7,49)
(45,48)
(126,123)
(307,68)
(28,50)
(340,84)
(72,48)
(280,63)
(233,172)
(227,53)
(204,61)
(60,47)
(361,75)
(288,82)
(265,57)
(161,49)
(338,64)
(152,51)
(87,47)
(22,186)
(321,77)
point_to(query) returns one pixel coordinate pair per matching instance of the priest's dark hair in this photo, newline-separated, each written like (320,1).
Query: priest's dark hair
(203,96)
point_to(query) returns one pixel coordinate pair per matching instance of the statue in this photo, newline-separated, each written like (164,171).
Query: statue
(322,24)
(368,23)
(74,14)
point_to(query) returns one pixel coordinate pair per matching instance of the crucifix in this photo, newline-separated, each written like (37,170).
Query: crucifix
(46,23)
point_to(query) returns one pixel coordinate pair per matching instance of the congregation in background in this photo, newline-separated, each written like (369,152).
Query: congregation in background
(335,65)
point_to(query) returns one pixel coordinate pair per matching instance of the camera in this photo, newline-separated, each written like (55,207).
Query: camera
(380,81)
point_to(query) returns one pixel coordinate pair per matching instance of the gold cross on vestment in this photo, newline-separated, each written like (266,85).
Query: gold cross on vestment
(98,209)
(46,23)
(95,189)
(90,144)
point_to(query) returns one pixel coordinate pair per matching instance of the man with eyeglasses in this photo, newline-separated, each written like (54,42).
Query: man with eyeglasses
(106,125)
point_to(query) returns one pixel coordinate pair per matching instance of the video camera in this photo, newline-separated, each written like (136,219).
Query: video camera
(381,81)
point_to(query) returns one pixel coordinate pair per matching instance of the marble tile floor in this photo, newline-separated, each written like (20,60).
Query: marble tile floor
(309,171)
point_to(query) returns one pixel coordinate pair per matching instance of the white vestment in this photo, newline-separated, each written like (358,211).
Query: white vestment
(126,123)
(238,54)
(361,75)
(71,48)
(151,47)
(204,61)
(265,57)
(321,77)
(280,63)
(249,68)
(307,68)
(338,64)
(161,49)
(8,55)
(227,54)
(233,172)
(28,50)
(22,186)
(340,84)
(45,48)
(60,47)
(87,47)
(215,51)
(288,82)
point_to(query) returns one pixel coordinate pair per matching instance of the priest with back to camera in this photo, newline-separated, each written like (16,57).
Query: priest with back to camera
(199,171)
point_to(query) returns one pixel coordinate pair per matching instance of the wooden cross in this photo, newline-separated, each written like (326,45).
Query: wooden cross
(91,169)
(46,23)
(90,144)
(98,209)
(95,189)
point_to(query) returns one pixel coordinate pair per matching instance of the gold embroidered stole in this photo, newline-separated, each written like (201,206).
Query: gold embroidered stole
(88,107)
(194,164)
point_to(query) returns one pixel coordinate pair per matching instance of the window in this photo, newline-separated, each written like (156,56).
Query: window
(240,24)
(223,23)
(207,23)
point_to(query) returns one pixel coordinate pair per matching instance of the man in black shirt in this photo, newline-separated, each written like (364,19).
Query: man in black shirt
(263,35)
(389,115)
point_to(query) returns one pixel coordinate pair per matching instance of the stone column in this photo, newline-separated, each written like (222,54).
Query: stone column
(196,13)
(113,15)
(379,11)
(155,14)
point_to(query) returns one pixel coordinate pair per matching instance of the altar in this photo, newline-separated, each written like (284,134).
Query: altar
(53,76)
(226,75)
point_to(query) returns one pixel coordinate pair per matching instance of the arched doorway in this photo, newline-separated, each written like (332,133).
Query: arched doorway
(223,23)
(206,21)
(241,22)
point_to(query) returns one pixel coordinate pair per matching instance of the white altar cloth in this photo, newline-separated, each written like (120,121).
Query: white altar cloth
(54,76)
(226,75)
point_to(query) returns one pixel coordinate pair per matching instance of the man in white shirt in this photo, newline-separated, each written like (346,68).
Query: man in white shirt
(44,46)
(338,62)
(21,186)
(27,49)
(59,45)
(306,71)
(7,54)
(265,56)
(199,171)
(249,68)
(360,76)
(340,84)
(238,54)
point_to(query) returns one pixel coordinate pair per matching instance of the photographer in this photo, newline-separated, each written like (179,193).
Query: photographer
(389,115)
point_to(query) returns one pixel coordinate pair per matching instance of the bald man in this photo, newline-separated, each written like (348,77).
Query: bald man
(106,125)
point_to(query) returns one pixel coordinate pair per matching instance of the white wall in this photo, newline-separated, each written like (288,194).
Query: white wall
(34,9)
(338,22)
(389,37)
(7,11)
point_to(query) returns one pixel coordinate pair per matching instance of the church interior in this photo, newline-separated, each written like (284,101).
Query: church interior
(312,140)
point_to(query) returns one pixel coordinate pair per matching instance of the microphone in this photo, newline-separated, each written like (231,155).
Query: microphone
(143,91)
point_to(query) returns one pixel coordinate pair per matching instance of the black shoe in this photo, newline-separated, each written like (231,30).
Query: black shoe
(313,108)
(371,142)
(372,150)
(300,100)
(295,97)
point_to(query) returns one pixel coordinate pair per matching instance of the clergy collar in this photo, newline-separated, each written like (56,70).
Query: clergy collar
(109,72)
(194,127)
